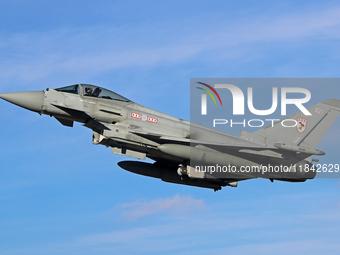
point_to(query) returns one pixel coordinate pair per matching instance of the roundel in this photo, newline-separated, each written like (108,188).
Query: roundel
(144,118)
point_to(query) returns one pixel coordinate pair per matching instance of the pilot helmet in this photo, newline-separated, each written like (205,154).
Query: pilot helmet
(88,90)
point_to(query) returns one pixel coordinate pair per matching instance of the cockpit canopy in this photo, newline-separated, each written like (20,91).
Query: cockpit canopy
(92,91)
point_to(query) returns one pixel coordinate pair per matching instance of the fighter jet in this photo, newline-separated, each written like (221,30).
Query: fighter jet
(184,152)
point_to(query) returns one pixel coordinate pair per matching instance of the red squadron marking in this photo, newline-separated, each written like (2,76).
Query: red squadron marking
(301,125)
(143,117)
(153,120)
(136,115)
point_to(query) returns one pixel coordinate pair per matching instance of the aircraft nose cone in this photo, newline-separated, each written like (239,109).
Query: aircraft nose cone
(30,100)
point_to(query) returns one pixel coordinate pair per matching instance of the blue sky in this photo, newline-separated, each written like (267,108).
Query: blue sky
(61,194)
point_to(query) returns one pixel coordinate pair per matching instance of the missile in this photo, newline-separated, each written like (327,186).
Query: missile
(295,148)
(232,184)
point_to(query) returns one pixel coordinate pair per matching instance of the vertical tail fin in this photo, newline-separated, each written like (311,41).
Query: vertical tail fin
(309,129)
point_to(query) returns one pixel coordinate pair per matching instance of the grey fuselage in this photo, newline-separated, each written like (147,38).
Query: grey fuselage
(174,144)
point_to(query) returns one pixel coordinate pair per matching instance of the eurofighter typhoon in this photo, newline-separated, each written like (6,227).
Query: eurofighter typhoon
(177,146)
